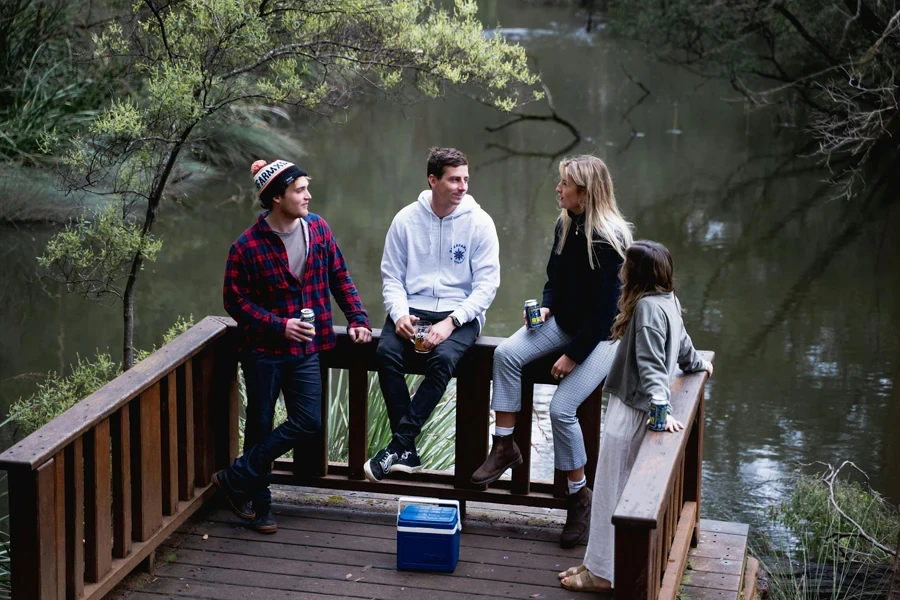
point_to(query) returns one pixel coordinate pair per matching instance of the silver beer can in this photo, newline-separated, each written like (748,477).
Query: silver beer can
(659,410)
(308,316)
(533,314)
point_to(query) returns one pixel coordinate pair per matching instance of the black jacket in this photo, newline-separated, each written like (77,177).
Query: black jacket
(583,300)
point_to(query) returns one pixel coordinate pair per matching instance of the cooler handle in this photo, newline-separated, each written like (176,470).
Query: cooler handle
(438,501)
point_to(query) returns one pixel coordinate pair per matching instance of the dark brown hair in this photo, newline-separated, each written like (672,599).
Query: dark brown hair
(648,269)
(439,158)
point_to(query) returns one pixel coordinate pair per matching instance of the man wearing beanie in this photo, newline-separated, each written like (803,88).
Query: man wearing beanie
(287,261)
(440,264)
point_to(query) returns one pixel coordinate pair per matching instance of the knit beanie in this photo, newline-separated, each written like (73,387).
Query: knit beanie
(272,178)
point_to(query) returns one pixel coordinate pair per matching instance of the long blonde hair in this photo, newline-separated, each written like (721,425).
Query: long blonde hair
(648,269)
(602,218)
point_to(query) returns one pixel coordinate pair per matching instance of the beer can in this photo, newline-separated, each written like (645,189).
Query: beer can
(308,316)
(659,410)
(533,314)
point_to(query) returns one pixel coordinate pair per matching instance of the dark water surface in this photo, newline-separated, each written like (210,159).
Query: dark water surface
(794,290)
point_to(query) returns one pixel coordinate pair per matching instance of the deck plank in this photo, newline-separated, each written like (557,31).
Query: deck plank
(323,552)
(318,547)
(716,565)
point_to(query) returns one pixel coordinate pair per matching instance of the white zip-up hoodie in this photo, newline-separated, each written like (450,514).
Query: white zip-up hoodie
(449,264)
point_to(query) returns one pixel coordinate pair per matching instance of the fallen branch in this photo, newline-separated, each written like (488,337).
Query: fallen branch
(829,480)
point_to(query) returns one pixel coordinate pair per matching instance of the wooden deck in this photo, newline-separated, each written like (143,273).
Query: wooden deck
(716,567)
(345,547)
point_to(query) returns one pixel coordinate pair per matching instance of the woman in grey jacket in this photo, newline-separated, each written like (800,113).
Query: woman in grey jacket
(579,306)
(652,342)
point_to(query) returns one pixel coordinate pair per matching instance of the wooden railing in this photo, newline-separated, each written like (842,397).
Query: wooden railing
(95,491)
(473,403)
(657,515)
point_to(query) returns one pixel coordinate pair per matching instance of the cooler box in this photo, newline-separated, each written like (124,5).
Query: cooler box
(428,534)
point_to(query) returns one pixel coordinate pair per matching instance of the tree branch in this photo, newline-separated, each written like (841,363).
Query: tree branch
(162,28)
(830,479)
(804,33)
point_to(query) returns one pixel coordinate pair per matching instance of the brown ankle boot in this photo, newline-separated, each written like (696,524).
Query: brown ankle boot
(578,518)
(504,455)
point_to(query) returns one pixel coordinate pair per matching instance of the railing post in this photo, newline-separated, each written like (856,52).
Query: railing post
(358,419)
(146,464)
(226,400)
(184,378)
(120,432)
(636,568)
(98,505)
(36,570)
(693,466)
(168,391)
(74,520)
(473,413)
(204,428)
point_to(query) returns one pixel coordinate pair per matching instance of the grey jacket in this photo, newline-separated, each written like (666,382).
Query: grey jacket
(655,341)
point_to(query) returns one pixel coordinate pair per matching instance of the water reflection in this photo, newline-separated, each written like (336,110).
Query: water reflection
(795,291)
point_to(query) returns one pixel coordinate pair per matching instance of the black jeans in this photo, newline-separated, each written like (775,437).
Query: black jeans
(409,415)
(299,378)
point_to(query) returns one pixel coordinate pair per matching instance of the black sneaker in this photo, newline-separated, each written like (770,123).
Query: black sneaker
(379,465)
(408,462)
(236,500)
(264,521)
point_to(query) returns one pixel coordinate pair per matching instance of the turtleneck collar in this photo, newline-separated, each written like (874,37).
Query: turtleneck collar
(577,219)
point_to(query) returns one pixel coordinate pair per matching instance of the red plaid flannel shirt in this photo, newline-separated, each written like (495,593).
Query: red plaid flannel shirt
(261,293)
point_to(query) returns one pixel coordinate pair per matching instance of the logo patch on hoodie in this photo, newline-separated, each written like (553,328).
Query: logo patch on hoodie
(459,253)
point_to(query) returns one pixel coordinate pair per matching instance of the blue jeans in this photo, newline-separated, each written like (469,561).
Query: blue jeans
(299,378)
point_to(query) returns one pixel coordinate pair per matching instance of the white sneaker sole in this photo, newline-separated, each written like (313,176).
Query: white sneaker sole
(369,475)
(405,469)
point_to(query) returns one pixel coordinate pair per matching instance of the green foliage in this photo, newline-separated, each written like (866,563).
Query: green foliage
(56,394)
(184,63)
(92,257)
(180,326)
(436,444)
(43,91)
(826,555)
(823,534)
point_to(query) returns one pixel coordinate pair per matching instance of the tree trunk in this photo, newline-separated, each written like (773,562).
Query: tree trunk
(128,317)
(156,194)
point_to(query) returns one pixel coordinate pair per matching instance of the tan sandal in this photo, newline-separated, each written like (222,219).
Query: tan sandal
(585,581)
(571,571)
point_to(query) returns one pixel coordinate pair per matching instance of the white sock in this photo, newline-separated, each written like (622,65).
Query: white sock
(574,486)
(503,431)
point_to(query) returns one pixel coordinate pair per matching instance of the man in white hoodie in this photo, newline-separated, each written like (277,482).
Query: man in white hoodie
(441,264)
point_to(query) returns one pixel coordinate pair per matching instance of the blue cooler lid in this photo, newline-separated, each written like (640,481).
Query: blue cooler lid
(435,517)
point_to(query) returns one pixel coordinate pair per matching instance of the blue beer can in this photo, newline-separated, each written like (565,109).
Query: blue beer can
(533,314)
(659,410)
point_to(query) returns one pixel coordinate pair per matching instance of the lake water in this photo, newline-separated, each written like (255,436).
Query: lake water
(793,289)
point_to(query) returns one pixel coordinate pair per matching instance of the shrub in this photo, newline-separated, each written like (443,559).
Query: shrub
(57,394)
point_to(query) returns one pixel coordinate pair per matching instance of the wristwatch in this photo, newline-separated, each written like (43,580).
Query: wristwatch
(456,322)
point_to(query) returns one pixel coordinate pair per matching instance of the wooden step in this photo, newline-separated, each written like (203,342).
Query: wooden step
(715,569)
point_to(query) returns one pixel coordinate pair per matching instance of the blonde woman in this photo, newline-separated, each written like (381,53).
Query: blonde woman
(653,342)
(579,306)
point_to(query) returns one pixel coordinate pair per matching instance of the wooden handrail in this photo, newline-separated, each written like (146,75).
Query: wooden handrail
(44,443)
(96,490)
(658,512)
(643,500)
